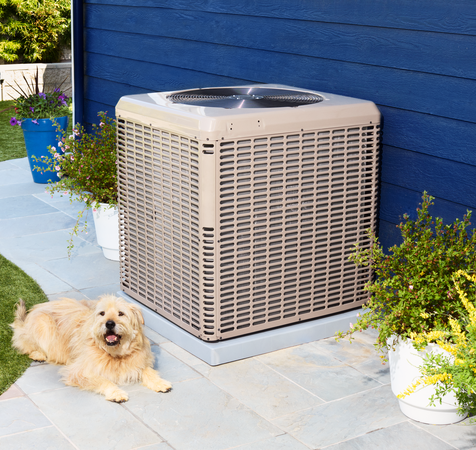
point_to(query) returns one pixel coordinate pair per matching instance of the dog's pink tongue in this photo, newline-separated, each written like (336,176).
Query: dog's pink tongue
(111,338)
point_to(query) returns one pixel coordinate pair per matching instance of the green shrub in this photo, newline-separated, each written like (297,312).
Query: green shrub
(413,290)
(34,30)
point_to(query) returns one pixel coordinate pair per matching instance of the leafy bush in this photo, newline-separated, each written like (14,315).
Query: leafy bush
(86,165)
(34,30)
(413,290)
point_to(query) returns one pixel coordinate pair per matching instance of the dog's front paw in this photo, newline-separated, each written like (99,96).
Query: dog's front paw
(159,385)
(118,396)
(164,386)
(151,379)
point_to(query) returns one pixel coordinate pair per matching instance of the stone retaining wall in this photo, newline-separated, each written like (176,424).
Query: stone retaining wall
(50,76)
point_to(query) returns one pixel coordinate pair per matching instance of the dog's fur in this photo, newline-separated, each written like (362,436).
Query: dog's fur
(101,343)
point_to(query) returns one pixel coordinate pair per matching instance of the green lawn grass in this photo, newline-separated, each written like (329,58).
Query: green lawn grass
(14,284)
(12,145)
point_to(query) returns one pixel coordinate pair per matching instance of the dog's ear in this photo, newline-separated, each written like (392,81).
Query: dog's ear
(136,311)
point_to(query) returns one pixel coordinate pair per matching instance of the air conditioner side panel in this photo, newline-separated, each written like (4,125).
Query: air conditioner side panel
(291,207)
(159,212)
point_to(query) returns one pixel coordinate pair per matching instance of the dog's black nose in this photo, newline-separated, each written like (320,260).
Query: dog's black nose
(110,324)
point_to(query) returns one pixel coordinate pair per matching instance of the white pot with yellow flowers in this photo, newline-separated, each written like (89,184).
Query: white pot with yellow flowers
(418,303)
(438,384)
(416,391)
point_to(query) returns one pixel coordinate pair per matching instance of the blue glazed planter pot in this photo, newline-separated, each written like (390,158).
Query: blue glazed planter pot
(37,139)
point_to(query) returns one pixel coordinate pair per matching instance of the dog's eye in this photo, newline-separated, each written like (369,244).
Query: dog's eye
(102,313)
(120,313)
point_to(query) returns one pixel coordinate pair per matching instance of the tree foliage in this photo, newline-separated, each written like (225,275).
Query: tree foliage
(34,30)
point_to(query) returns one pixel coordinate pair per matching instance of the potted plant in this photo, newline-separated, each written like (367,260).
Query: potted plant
(86,167)
(412,292)
(453,370)
(37,113)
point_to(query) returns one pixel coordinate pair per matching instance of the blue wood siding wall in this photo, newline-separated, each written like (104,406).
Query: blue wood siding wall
(415,59)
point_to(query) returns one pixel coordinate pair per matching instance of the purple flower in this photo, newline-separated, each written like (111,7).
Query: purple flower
(62,98)
(35,121)
(13,121)
(57,90)
(32,109)
(42,95)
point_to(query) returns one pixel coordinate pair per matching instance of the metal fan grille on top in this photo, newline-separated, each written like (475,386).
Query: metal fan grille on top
(256,97)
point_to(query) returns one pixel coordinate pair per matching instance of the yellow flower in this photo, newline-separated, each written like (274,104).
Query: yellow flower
(410,389)
(433,379)
(435,334)
(441,377)
(449,348)
(463,296)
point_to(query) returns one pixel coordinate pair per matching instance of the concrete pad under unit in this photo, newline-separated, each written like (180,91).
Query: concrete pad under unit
(216,353)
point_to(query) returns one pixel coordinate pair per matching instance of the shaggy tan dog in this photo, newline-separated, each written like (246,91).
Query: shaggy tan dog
(101,343)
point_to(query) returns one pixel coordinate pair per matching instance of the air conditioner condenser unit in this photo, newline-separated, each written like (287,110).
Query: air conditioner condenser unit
(239,206)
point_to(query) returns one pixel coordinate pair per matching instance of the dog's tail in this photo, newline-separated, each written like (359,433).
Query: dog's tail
(20,314)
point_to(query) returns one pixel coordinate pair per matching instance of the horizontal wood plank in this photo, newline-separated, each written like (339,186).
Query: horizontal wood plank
(109,92)
(388,235)
(447,54)
(395,201)
(431,135)
(448,180)
(420,92)
(458,16)
(110,78)
(91,112)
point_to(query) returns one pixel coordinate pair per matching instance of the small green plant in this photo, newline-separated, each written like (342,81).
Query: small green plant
(41,106)
(413,291)
(454,371)
(86,165)
(34,30)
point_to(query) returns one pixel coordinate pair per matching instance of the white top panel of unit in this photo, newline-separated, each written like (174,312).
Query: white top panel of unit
(245,111)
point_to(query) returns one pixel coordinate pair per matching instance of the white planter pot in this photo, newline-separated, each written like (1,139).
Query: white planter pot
(106,222)
(404,362)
